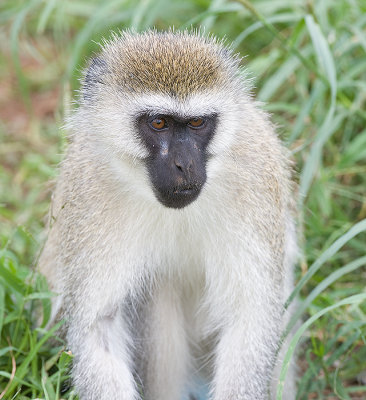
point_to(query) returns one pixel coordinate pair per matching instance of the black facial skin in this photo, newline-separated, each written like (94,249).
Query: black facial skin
(177,159)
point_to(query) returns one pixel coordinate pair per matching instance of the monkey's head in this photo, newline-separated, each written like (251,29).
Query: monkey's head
(168,102)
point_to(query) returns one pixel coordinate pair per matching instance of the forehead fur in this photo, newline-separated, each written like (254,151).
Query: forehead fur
(171,63)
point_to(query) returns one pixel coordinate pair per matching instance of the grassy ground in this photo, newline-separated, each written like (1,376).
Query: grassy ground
(308,60)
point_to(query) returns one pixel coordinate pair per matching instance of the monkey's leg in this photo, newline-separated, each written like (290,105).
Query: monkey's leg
(166,353)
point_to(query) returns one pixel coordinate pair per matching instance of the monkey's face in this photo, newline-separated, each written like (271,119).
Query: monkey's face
(177,155)
(163,109)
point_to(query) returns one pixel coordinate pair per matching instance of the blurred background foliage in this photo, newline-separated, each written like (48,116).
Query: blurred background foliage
(307,59)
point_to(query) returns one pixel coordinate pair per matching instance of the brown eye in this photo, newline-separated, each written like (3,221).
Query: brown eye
(196,122)
(158,124)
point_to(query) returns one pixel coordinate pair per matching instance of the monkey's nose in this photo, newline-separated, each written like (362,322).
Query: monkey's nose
(184,165)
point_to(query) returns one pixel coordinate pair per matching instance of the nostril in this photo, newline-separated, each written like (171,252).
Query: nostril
(178,163)
(184,166)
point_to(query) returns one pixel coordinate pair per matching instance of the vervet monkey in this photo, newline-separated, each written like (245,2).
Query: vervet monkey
(172,237)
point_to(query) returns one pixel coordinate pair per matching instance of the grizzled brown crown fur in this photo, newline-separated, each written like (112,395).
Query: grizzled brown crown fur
(171,63)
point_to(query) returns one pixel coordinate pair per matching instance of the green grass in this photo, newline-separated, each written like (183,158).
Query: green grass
(308,62)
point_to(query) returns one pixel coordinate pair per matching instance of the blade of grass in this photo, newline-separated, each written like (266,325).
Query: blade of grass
(139,14)
(40,296)
(2,307)
(47,386)
(208,22)
(229,8)
(356,151)
(326,130)
(103,12)
(298,127)
(285,17)
(14,42)
(281,38)
(352,266)
(330,252)
(22,369)
(282,75)
(326,62)
(13,370)
(358,298)
(11,280)
(43,19)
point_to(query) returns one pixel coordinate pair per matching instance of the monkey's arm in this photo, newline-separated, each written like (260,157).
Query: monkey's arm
(254,272)
(245,356)
(246,281)
(97,330)
(248,340)
(83,262)
(102,369)
(95,291)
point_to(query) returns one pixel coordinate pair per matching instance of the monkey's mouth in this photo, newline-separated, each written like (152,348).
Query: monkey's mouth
(180,196)
(186,190)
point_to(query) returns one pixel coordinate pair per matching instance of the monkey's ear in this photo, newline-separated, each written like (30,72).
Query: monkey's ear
(94,76)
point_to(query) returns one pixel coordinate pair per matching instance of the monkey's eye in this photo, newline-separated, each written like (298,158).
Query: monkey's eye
(196,123)
(158,124)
